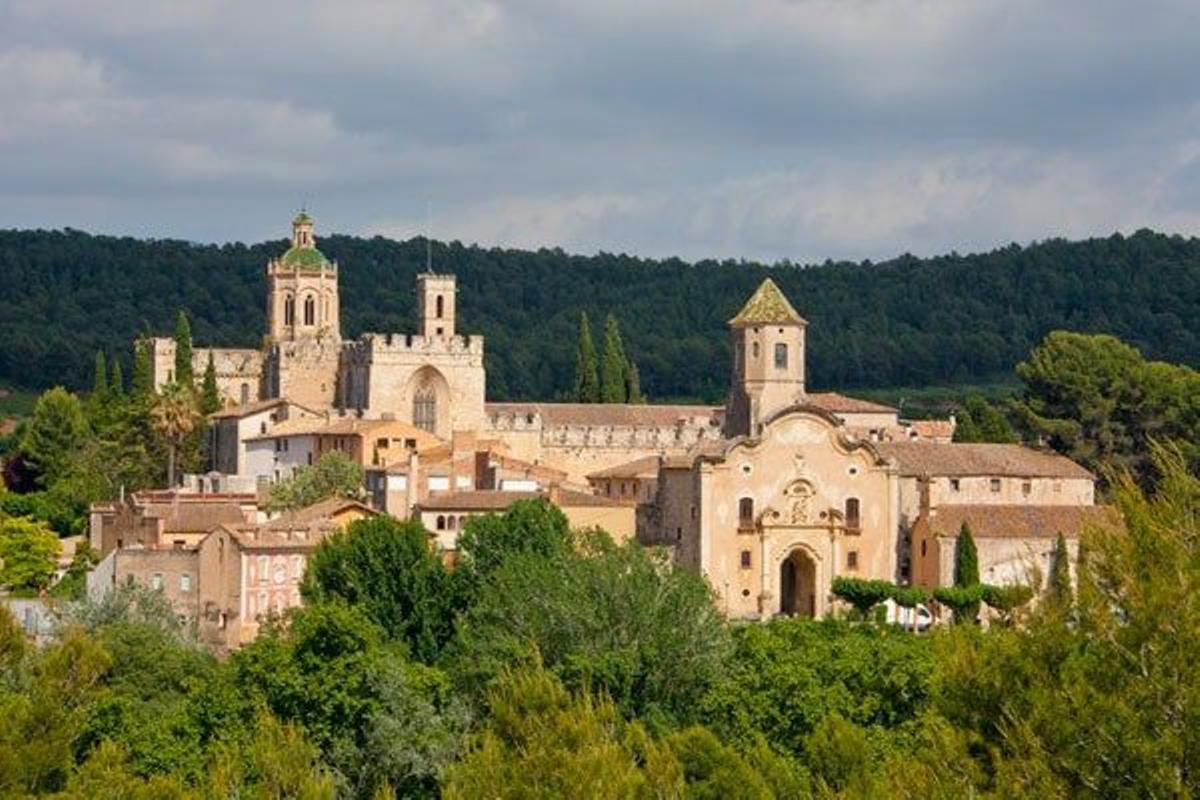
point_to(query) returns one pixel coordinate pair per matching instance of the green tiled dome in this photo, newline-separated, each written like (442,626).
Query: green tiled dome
(306,258)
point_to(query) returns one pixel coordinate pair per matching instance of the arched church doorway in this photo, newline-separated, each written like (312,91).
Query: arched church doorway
(798,585)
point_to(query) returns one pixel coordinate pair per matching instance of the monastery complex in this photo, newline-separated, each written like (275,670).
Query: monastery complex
(770,496)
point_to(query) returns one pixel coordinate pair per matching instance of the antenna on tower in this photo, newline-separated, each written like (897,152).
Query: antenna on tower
(429,236)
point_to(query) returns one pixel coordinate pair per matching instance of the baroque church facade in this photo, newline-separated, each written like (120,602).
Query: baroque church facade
(770,496)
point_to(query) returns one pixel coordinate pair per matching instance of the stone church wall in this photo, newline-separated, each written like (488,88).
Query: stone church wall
(384,372)
(239,371)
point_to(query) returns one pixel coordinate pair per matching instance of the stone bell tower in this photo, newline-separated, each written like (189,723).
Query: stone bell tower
(768,360)
(302,290)
(435,305)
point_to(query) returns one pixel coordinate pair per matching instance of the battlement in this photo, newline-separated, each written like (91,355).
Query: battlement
(371,345)
(682,434)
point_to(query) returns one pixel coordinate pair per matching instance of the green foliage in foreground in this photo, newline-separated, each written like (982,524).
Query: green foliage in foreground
(334,474)
(574,663)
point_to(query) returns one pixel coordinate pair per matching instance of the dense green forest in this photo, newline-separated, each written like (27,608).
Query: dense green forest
(555,663)
(904,322)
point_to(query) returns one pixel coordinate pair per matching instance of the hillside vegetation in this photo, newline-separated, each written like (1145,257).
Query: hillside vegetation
(905,322)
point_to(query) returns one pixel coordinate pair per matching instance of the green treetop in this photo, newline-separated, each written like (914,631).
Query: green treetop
(100,379)
(966,559)
(980,421)
(633,384)
(183,352)
(28,554)
(55,434)
(1060,572)
(210,397)
(587,383)
(142,384)
(116,383)
(613,364)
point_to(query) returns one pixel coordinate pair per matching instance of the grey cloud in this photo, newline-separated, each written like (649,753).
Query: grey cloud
(763,129)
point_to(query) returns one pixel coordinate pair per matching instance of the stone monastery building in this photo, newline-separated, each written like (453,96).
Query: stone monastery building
(770,496)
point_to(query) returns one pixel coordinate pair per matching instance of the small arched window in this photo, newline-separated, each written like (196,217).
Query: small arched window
(440,304)
(852,520)
(289,310)
(245,394)
(310,310)
(441,522)
(781,356)
(754,349)
(453,522)
(746,512)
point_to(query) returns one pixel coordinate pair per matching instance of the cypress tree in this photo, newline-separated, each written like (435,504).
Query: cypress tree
(587,383)
(100,379)
(183,352)
(633,384)
(1060,572)
(966,559)
(143,374)
(116,384)
(613,364)
(210,397)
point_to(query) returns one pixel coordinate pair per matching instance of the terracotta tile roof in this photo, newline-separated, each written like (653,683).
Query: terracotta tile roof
(318,512)
(843,404)
(767,306)
(477,500)
(1012,460)
(196,517)
(1017,521)
(256,537)
(933,428)
(638,468)
(256,407)
(347,426)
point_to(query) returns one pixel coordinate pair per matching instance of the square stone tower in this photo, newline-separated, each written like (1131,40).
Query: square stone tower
(768,360)
(435,305)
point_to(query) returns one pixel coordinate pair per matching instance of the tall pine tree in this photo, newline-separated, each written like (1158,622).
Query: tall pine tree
(966,559)
(1060,573)
(183,352)
(100,379)
(210,397)
(633,384)
(613,365)
(143,373)
(116,384)
(587,383)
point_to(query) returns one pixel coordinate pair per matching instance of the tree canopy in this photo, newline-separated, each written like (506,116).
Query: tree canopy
(903,322)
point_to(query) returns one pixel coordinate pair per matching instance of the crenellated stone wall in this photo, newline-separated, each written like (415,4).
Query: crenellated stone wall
(239,371)
(580,450)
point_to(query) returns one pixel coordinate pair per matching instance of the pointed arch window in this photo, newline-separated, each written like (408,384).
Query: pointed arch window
(310,310)
(425,411)
(440,304)
(289,310)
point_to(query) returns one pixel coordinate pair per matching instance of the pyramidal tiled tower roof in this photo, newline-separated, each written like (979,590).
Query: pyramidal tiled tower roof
(767,306)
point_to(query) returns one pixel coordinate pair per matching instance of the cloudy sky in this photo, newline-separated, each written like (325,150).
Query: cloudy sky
(745,128)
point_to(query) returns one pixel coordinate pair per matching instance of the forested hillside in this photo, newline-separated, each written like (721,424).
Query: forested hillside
(905,322)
